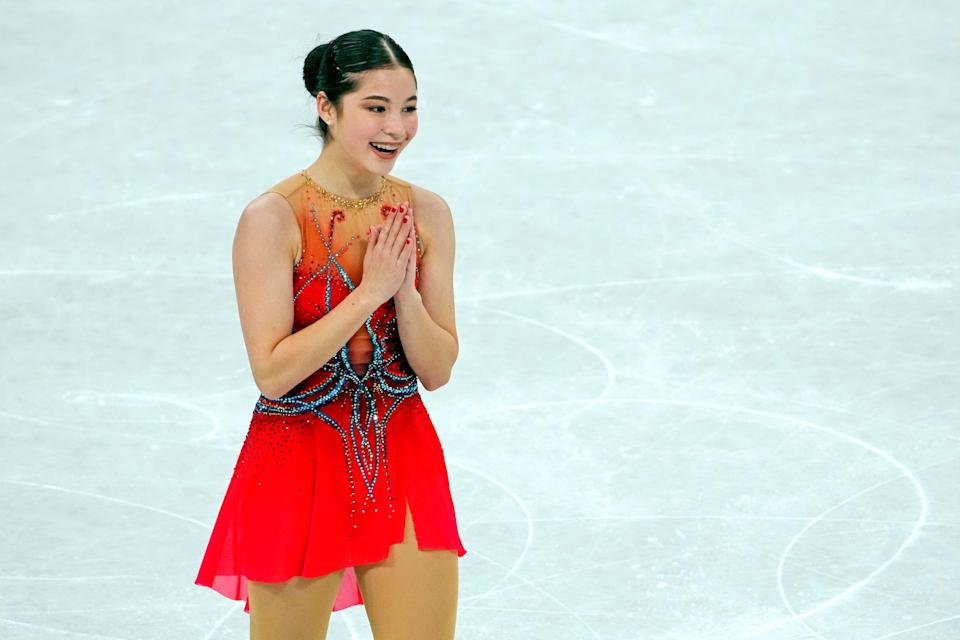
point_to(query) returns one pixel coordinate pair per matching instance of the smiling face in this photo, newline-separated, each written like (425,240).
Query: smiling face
(381,110)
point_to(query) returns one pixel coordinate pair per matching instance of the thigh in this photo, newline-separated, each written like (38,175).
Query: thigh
(298,609)
(413,593)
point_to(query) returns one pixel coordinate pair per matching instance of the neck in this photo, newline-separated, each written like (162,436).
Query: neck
(337,175)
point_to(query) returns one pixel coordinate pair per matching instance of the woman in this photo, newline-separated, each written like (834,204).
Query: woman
(340,494)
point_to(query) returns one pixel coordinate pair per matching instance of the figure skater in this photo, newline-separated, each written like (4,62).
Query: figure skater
(344,285)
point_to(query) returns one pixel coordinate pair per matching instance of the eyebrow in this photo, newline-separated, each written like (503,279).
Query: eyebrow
(386,99)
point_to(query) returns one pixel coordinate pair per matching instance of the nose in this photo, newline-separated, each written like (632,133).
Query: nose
(394,127)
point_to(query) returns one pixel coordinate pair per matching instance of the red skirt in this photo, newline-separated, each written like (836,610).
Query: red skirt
(311,495)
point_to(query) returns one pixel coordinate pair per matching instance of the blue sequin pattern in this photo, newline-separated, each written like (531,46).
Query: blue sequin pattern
(320,283)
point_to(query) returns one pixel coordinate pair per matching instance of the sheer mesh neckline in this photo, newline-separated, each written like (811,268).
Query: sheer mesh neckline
(375,198)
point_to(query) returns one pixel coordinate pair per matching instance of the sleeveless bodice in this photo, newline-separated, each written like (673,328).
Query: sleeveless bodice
(334,241)
(332,472)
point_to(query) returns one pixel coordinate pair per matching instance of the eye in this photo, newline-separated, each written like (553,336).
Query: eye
(374,108)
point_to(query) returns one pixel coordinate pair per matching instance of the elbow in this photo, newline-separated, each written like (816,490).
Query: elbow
(269,387)
(434,383)
(267,378)
(275,391)
(440,378)
(268,391)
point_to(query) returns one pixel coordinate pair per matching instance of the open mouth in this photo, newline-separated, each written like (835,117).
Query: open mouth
(384,152)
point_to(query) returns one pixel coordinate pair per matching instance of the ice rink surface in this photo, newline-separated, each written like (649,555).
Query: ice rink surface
(707,301)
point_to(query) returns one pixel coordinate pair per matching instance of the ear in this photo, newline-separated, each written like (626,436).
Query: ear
(324,108)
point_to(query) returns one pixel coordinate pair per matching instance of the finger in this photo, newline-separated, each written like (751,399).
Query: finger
(393,223)
(405,254)
(399,238)
(409,224)
(382,230)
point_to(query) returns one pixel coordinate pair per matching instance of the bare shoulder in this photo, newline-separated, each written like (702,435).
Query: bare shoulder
(270,216)
(433,216)
(272,205)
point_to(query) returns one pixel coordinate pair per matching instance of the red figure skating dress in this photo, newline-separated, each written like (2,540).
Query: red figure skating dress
(326,471)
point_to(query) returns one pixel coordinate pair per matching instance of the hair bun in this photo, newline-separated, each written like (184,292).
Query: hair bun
(311,69)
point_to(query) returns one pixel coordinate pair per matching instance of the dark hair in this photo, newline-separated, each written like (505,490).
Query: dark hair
(332,67)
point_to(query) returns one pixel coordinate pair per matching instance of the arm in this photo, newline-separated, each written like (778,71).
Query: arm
(425,317)
(264,248)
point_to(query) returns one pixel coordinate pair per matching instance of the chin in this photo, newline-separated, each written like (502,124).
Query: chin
(383,167)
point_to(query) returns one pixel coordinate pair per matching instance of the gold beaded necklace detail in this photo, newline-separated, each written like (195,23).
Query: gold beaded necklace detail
(357,203)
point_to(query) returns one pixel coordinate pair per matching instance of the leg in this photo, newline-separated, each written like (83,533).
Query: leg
(412,595)
(298,609)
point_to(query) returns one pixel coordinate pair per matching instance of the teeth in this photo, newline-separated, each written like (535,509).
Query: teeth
(384,148)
